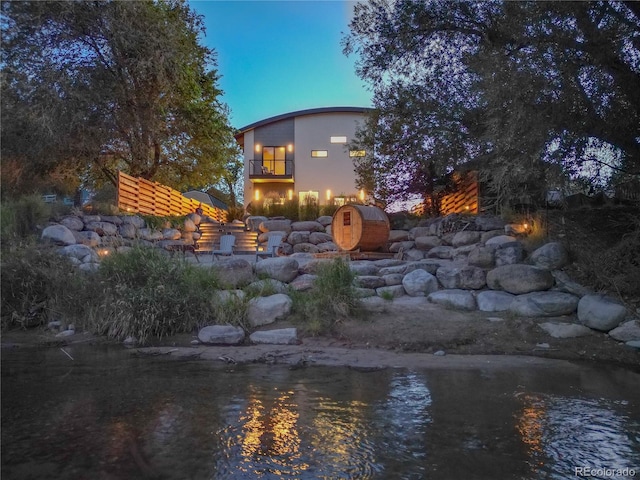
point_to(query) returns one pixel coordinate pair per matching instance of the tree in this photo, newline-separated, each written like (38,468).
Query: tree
(99,86)
(521,89)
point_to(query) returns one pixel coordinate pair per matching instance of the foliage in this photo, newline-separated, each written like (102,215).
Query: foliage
(148,294)
(38,285)
(332,298)
(328,210)
(92,87)
(21,217)
(270,207)
(155,222)
(235,213)
(530,92)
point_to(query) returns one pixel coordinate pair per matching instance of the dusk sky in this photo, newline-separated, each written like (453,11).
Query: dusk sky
(281,56)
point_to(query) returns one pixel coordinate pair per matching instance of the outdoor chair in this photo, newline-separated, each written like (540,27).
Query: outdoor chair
(227,244)
(271,249)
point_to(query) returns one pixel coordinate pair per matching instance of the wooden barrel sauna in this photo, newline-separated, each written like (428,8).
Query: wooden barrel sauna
(360,227)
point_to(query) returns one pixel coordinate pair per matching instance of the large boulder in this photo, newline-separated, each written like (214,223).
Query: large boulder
(363,267)
(509,253)
(90,239)
(134,220)
(494,301)
(58,234)
(454,298)
(325,220)
(233,272)
(171,234)
(498,240)
(481,256)
(221,335)
(303,282)
(307,226)
(551,256)
(419,283)
(102,228)
(627,332)
(82,253)
(298,236)
(600,312)
(465,237)
(427,242)
(544,304)
(280,336)
(127,230)
(369,281)
(320,237)
(275,225)
(266,310)
(149,234)
(305,247)
(72,223)
(467,277)
(283,269)
(519,279)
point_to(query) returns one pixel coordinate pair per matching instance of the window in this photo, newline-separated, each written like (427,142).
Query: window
(357,153)
(346,219)
(308,198)
(319,153)
(273,160)
(339,139)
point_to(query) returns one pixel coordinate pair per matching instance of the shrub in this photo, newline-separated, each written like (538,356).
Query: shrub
(20,218)
(148,294)
(332,298)
(235,213)
(39,285)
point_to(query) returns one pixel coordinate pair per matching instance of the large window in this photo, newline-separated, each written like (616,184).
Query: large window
(273,160)
(319,153)
(308,198)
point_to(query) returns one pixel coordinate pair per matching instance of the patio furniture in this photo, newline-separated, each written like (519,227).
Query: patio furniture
(271,249)
(227,244)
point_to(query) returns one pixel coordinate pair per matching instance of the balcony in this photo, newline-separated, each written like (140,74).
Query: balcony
(268,171)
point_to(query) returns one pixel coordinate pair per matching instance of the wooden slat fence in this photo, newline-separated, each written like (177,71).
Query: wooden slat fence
(465,199)
(138,195)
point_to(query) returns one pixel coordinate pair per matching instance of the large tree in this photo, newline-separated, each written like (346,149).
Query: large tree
(524,89)
(93,87)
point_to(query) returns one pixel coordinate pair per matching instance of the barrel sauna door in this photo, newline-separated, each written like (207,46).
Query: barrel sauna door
(346,228)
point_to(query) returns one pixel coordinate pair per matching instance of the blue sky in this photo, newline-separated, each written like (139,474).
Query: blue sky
(280,56)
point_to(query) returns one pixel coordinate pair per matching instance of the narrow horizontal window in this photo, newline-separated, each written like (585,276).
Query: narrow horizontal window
(357,153)
(319,153)
(339,139)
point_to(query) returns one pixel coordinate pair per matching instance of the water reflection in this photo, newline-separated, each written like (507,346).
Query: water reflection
(564,433)
(113,417)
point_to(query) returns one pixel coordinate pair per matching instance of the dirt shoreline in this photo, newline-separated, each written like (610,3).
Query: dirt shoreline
(425,336)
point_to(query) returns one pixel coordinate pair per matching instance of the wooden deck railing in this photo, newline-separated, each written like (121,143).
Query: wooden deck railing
(137,195)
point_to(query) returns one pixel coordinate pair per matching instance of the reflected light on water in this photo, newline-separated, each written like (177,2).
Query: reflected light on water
(563,433)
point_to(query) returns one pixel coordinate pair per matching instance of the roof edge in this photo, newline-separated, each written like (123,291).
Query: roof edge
(300,113)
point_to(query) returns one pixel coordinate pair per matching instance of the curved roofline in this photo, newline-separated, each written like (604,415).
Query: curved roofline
(300,113)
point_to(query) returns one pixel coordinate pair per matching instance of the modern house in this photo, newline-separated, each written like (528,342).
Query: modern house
(303,153)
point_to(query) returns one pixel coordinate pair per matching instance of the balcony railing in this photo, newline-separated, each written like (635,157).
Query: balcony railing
(271,170)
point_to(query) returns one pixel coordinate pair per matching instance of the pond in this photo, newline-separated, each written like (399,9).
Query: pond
(108,415)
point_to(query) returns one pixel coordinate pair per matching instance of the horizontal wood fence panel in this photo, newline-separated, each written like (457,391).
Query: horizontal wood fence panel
(137,195)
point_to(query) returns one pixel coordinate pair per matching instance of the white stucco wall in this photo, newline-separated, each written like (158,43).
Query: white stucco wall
(313,132)
(335,172)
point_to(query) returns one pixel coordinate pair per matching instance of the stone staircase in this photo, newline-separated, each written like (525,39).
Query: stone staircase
(246,241)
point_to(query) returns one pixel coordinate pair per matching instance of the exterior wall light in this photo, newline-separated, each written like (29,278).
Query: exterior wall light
(290,147)
(328,195)
(362,195)
(258,147)
(257,195)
